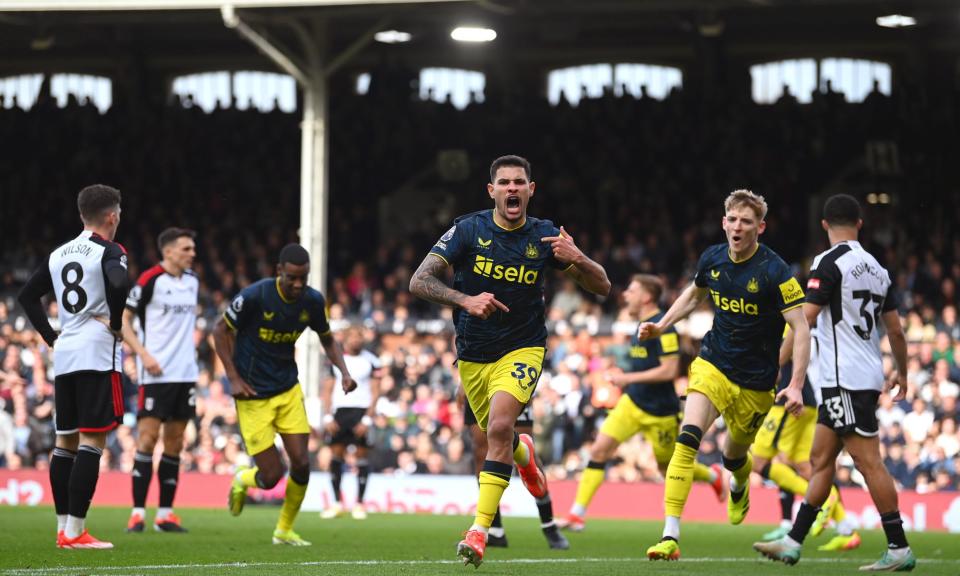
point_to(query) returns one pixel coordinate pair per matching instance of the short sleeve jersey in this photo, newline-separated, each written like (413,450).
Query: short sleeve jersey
(656,398)
(748,299)
(854,291)
(510,264)
(267,327)
(166,307)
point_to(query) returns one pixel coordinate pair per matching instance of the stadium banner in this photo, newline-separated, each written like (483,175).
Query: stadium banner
(426,494)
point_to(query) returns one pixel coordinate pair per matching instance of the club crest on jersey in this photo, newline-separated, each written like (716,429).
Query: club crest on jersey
(753,286)
(531,252)
(237,303)
(304,316)
(483,244)
(268,315)
(715,274)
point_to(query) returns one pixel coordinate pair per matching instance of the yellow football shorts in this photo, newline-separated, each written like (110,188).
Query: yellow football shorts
(516,373)
(743,410)
(784,434)
(261,419)
(627,419)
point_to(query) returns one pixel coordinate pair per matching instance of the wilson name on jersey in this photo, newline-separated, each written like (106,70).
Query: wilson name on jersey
(854,291)
(510,264)
(748,298)
(361,368)
(78,272)
(166,307)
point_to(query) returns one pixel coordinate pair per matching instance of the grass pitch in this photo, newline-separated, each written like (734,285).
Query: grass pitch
(421,545)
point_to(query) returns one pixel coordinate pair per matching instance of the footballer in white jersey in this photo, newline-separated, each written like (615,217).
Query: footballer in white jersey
(88,277)
(350,417)
(164,304)
(849,298)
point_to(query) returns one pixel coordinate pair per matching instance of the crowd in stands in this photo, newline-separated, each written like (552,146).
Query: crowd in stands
(639,182)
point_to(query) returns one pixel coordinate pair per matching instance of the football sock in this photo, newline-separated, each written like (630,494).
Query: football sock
(680,470)
(83,483)
(363,474)
(61,466)
(590,482)
(292,499)
(493,481)
(545,510)
(142,475)
(805,517)
(521,456)
(336,478)
(785,477)
(786,505)
(168,473)
(893,528)
(702,473)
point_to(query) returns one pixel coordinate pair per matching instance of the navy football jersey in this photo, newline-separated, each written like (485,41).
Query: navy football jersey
(510,264)
(748,299)
(656,398)
(267,327)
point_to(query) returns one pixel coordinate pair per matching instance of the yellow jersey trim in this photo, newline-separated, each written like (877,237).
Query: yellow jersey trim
(567,269)
(447,262)
(735,261)
(229,324)
(280,292)
(493,215)
(787,310)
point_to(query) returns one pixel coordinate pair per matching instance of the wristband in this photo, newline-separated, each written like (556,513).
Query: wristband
(366,420)
(327,418)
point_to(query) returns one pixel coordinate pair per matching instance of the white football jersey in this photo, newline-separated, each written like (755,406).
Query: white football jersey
(77,271)
(854,291)
(166,307)
(361,368)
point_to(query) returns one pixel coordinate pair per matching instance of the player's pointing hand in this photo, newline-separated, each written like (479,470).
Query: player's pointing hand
(648,330)
(483,305)
(564,249)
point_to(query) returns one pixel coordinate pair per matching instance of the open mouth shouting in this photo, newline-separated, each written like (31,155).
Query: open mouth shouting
(514,208)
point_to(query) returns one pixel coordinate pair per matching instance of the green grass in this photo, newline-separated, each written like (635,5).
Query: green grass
(421,545)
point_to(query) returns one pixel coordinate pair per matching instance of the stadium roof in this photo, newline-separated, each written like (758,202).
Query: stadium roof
(37,35)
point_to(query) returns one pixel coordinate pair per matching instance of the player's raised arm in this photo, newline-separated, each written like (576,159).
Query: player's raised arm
(426,284)
(688,301)
(668,370)
(800,330)
(587,273)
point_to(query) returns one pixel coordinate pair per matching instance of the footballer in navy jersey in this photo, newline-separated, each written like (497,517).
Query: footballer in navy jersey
(649,404)
(256,340)
(499,258)
(752,294)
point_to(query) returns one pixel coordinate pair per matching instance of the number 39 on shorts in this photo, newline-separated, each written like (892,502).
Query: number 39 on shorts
(526,375)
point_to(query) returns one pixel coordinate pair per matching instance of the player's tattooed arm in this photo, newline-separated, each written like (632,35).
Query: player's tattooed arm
(426,283)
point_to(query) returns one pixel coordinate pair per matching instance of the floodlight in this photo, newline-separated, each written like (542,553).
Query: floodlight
(473,34)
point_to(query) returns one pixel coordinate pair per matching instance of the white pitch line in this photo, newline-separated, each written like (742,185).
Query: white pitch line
(134,568)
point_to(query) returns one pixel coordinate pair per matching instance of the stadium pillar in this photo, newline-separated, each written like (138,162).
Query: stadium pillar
(308,70)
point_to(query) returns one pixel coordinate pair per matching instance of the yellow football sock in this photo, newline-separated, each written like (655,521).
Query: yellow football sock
(521,455)
(679,479)
(590,482)
(702,473)
(742,474)
(839,512)
(785,477)
(493,481)
(248,477)
(292,499)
